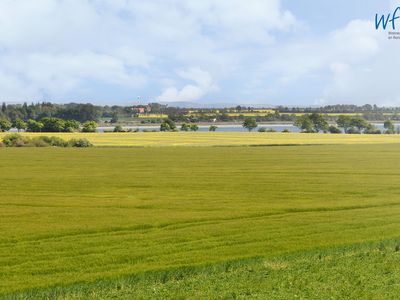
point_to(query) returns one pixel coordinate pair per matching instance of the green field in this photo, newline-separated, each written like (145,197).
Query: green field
(206,139)
(81,223)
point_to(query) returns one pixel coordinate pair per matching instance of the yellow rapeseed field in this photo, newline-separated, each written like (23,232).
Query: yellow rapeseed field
(160,139)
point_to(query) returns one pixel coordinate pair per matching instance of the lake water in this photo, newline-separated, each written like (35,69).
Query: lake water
(224,128)
(232,128)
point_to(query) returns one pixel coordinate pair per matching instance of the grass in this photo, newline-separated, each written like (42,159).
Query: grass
(362,271)
(72,216)
(204,139)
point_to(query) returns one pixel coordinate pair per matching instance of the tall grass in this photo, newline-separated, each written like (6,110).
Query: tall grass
(81,215)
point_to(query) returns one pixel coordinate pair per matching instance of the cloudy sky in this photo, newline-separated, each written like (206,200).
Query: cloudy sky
(280,52)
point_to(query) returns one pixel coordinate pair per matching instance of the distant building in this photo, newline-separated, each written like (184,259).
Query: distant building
(141,109)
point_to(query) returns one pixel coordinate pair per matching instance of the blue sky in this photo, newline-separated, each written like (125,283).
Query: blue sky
(209,52)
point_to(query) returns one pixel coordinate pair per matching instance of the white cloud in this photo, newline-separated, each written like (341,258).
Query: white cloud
(55,47)
(190,92)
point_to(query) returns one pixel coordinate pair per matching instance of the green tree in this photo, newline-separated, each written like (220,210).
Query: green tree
(168,125)
(212,128)
(5,125)
(334,129)
(389,126)
(185,127)
(344,122)
(20,124)
(71,126)
(51,124)
(250,124)
(34,126)
(359,123)
(319,123)
(305,124)
(118,128)
(114,118)
(89,126)
(194,127)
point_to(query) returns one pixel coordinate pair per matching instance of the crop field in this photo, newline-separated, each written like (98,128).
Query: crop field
(162,139)
(170,222)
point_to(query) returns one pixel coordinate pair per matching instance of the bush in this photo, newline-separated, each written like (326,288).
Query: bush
(212,128)
(285,130)
(262,129)
(53,141)
(334,130)
(80,143)
(271,130)
(118,128)
(353,130)
(372,131)
(16,140)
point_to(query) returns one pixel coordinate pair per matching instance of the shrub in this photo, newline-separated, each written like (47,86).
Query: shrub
(16,140)
(353,130)
(372,131)
(271,130)
(285,130)
(53,141)
(168,125)
(262,129)
(185,127)
(212,128)
(80,143)
(118,128)
(194,127)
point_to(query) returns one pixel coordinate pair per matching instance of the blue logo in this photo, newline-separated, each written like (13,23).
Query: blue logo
(385,20)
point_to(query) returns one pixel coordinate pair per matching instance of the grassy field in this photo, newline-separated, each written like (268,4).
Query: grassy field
(161,139)
(361,271)
(76,216)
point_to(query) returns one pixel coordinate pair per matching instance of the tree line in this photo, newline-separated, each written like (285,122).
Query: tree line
(48,124)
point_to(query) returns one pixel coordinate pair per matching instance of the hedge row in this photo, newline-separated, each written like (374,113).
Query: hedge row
(17,140)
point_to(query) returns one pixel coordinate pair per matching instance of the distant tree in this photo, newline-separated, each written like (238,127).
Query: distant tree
(371,129)
(212,128)
(319,123)
(34,126)
(19,124)
(3,108)
(344,122)
(71,126)
(389,126)
(168,125)
(118,128)
(89,126)
(51,124)
(114,118)
(353,130)
(359,123)
(250,124)
(305,124)
(194,127)
(185,127)
(334,130)
(5,125)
